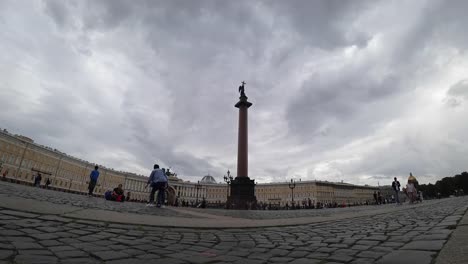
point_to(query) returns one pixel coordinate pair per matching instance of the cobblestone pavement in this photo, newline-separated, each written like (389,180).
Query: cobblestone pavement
(414,235)
(83,201)
(282,214)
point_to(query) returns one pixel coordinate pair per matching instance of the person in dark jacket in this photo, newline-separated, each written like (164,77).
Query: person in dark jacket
(396,188)
(47,183)
(37,180)
(93,178)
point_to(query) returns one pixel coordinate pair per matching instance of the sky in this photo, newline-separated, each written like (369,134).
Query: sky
(353,91)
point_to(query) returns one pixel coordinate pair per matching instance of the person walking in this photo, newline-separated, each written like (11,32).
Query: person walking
(93,177)
(396,188)
(158,182)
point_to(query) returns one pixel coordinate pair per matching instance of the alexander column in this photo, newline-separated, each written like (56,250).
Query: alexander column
(242,187)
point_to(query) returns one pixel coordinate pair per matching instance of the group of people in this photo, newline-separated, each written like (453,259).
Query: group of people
(410,189)
(157,181)
(117,194)
(38,179)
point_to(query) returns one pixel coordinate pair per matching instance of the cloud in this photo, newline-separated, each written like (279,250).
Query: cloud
(457,93)
(353,91)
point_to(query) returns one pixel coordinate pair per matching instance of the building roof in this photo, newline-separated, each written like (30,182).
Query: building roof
(208,179)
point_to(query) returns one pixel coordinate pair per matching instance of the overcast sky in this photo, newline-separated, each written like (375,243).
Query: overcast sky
(359,91)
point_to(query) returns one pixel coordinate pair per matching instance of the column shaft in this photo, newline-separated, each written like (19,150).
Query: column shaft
(242,147)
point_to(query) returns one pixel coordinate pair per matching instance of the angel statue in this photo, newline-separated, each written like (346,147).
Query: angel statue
(242,89)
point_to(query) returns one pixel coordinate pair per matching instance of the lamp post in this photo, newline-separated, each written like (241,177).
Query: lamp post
(292,185)
(228,179)
(198,186)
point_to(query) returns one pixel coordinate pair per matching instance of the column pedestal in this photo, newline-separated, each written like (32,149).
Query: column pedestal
(242,194)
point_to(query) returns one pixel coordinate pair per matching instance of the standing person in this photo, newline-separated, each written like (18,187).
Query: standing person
(47,183)
(375,198)
(93,177)
(411,191)
(37,180)
(158,181)
(396,188)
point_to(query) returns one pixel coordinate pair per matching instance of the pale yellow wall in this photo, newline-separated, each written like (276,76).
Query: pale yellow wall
(216,193)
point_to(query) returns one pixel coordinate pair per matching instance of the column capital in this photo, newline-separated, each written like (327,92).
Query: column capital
(243,102)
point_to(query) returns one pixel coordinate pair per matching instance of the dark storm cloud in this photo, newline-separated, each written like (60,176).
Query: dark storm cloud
(320,101)
(457,93)
(348,91)
(323,24)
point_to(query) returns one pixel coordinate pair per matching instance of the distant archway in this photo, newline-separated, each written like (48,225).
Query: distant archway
(171,195)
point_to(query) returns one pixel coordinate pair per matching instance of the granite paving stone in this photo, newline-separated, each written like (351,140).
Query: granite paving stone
(340,258)
(360,247)
(7,232)
(70,254)
(34,259)
(4,254)
(34,252)
(368,242)
(432,237)
(370,254)
(434,245)
(363,261)
(109,255)
(44,236)
(61,248)
(26,245)
(382,249)
(81,261)
(6,246)
(407,257)
(306,261)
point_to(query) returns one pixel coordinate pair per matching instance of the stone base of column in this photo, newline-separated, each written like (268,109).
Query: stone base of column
(242,194)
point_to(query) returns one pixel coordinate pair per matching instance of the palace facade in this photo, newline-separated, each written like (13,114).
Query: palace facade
(21,159)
